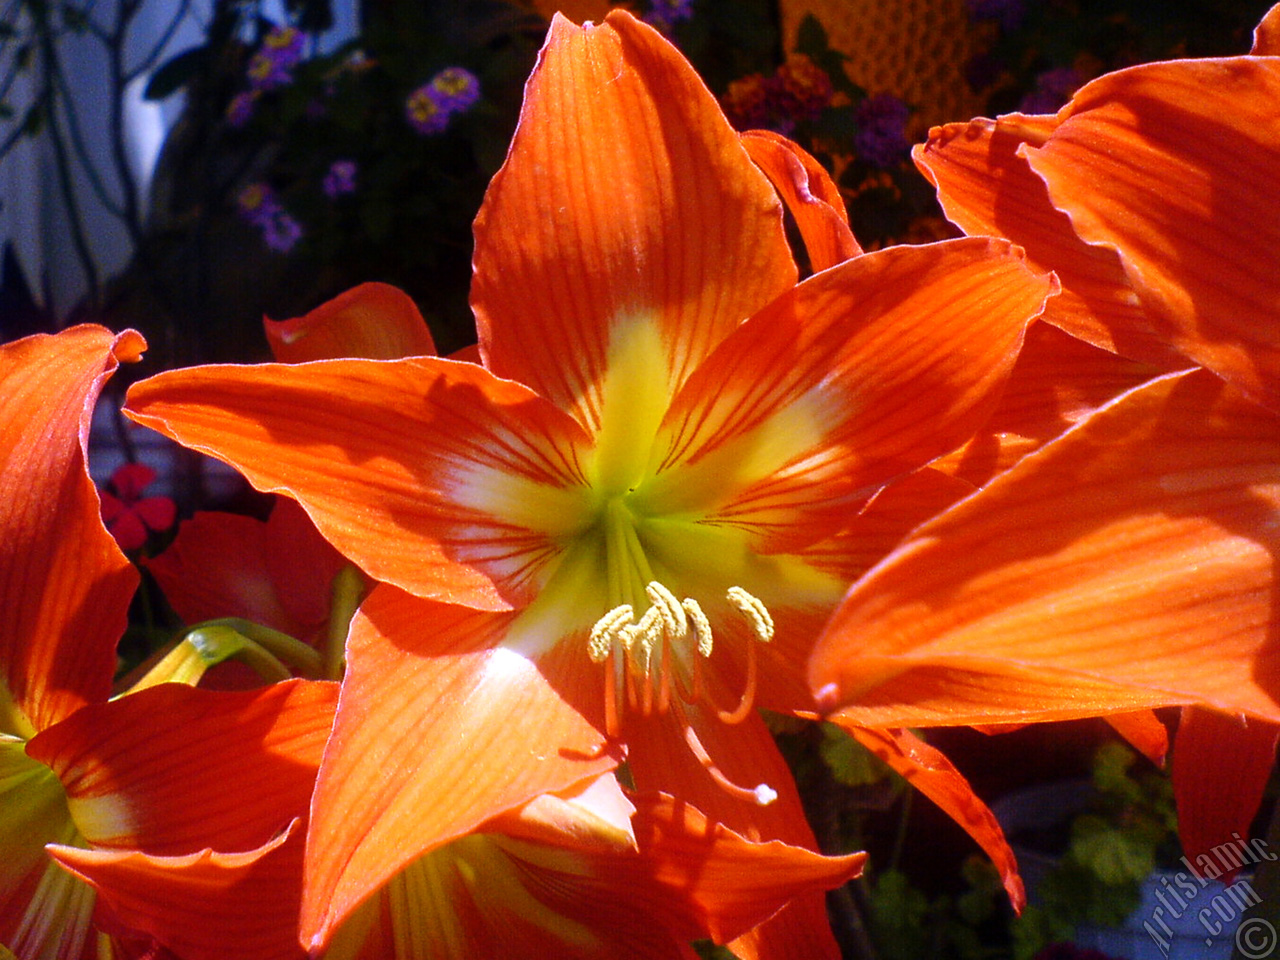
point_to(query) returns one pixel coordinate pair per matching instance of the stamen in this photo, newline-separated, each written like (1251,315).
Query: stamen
(701,625)
(674,623)
(755,612)
(606,630)
(743,709)
(761,795)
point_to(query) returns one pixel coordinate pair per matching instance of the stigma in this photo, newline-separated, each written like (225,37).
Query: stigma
(660,652)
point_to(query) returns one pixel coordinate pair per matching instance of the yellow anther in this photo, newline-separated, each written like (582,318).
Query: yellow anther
(607,629)
(644,634)
(675,626)
(701,625)
(753,609)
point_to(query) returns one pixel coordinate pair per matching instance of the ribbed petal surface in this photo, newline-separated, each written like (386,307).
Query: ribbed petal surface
(1154,518)
(625,196)
(1175,166)
(1221,765)
(437,731)
(427,473)
(986,188)
(150,771)
(867,370)
(64,584)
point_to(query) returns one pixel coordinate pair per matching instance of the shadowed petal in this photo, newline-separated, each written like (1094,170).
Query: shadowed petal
(374,320)
(206,905)
(438,730)
(150,771)
(745,753)
(810,194)
(986,188)
(930,772)
(1221,765)
(64,584)
(625,196)
(1153,518)
(1174,165)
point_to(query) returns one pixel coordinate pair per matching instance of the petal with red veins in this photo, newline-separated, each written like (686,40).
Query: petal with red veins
(656,214)
(1154,517)
(430,474)
(64,584)
(150,770)
(1221,765)
(1162,163)
(986,188)
(867,370)
(429,700)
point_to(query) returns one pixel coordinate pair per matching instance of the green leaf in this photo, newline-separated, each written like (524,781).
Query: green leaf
(849,761)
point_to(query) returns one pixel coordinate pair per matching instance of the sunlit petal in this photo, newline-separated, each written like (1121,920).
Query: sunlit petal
(64,584)
(1154,518)
(656,214)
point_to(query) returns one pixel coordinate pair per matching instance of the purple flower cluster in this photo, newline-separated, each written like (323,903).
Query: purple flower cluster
(881,140)
(340,180)
(258,205)
(798,91)
(452,91)
(272,66)
(269,68)
(664,14)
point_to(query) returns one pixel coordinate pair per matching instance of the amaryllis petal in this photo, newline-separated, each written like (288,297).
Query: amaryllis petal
(374,320)
(864,371)
(1056,382)
(930,772)
(206,905)
(810,194)
(150,771)
(1152,518)
(64,584)
(987,189)
(733,884)
(745,753)
(374,450)
(1221,765)
(1162,163)
(277,573)
(1145,733)
(657,218)
(1266,38)
(412,719)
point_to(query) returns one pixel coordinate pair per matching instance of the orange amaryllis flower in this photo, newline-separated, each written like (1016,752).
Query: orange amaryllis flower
(1131,562)
(144,775)
(625,525)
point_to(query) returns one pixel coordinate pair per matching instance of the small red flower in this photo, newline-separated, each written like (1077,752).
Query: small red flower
(128,514)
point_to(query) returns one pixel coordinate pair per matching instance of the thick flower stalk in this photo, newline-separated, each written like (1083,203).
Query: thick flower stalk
(625,523)
(1131,563)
